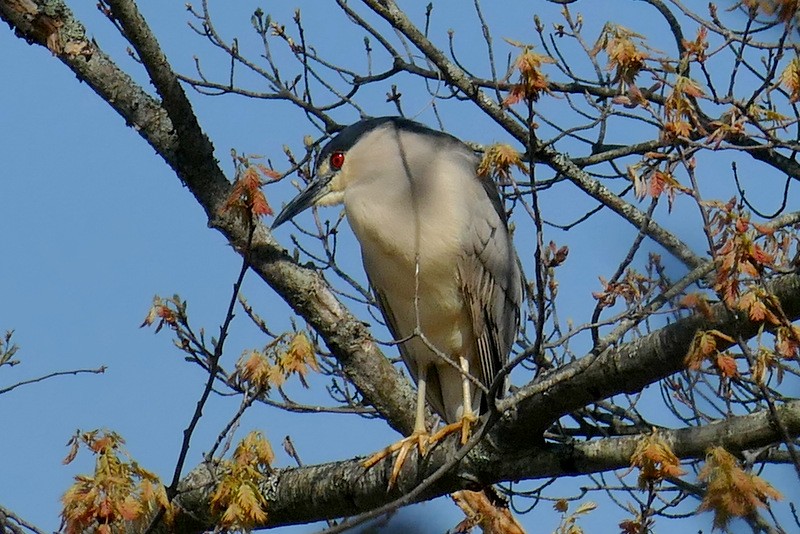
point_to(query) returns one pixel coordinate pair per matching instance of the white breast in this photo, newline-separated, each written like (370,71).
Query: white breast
(395,231)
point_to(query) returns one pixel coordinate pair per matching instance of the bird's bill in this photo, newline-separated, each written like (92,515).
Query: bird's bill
(313,193)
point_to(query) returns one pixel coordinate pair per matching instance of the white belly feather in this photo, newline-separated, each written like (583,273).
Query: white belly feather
(389,243)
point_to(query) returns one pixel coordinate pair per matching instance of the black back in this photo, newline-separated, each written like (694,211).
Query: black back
(350,135)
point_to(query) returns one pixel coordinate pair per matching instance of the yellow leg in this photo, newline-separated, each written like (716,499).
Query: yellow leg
(419,438)
(468,417)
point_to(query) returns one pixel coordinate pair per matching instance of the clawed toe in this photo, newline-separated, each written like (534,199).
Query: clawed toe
(420,440)
(464,426)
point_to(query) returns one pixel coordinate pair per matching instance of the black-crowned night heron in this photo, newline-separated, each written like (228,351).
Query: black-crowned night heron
(436,248)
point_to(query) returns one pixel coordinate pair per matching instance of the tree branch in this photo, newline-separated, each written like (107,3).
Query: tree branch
(100,370)
(313,493)
(630,367)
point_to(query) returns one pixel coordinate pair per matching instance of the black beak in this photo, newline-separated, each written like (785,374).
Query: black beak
(315,191)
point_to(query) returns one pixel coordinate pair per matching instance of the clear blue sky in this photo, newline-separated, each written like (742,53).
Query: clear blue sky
(94,224)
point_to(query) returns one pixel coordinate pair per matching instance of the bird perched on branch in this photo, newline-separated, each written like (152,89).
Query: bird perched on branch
(436,248)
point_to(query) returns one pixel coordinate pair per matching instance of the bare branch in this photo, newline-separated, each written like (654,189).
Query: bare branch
(340,489)
(98,371)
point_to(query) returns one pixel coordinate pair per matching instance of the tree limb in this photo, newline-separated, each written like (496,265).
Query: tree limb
(631,367)
(313,493)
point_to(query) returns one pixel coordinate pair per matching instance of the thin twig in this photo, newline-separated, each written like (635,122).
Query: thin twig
(98,371)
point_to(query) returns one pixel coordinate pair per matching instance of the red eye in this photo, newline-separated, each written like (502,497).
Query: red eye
(337,160)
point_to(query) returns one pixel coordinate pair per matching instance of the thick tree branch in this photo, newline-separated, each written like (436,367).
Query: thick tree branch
(344,488)
(172,130)
(630,367)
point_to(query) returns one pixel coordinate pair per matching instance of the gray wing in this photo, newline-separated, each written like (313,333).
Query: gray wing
(391,322)
(492,283)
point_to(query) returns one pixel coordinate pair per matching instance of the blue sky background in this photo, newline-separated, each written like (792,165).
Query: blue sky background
(94,224)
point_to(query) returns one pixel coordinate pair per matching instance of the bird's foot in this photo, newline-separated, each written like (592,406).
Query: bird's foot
(464,426)
(420,440)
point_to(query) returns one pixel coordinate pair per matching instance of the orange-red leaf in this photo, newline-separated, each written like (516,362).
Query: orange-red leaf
(726,365)
(787,341)
(791,78)
(532,81)
(246,196)
(703,346)
(731,491)
(118,491)
(698,302)
(655,459)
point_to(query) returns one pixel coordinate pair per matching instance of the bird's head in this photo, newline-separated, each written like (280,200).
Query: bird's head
(359,152)
(326,189)
(332,172)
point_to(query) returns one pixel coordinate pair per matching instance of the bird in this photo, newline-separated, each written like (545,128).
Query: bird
(439,257)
